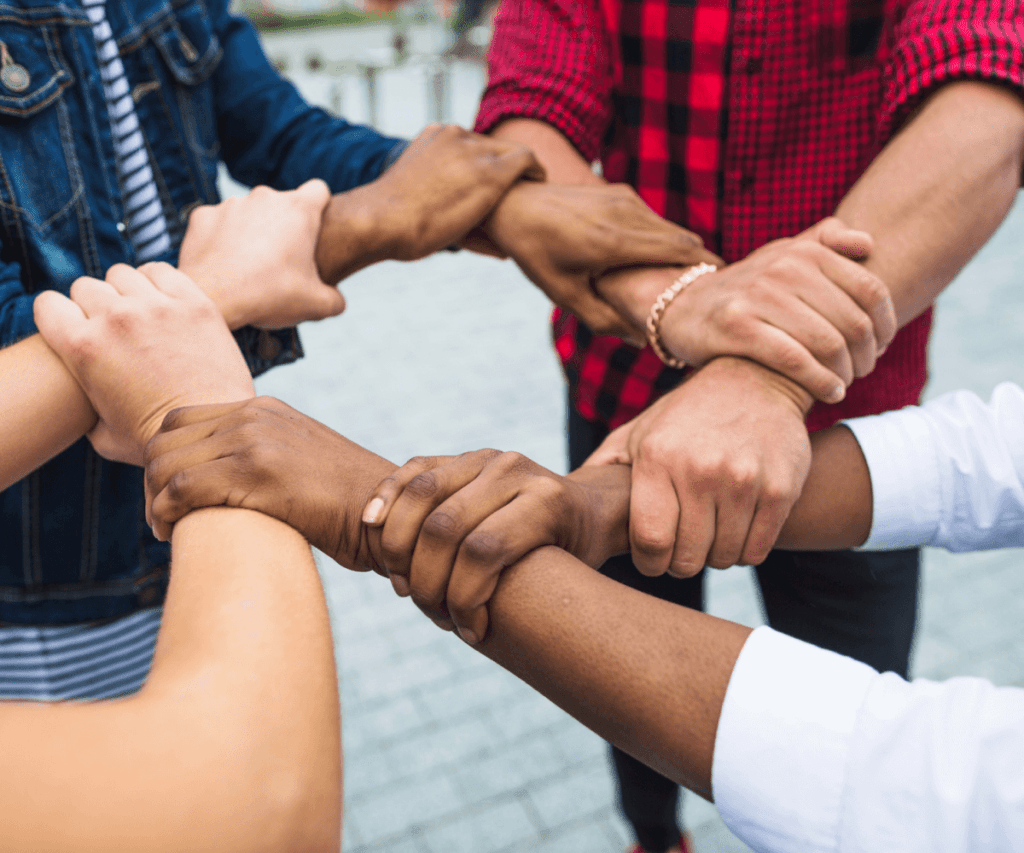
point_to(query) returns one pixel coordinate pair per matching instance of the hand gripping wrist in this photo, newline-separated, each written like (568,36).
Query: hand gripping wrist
(658,311)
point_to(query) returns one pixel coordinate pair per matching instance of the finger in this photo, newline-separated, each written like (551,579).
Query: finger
(184,416)
(442,534)
(767,523)
(599,316)
(192,488)
(418,499)
(496,543)
(92,295)
(519,161)
(163,463)
(814,332)
(375,511)
(777,350)
(316,193)
(171,281)
(694,536)
(332,303)
(128,281)
(838,236)
(614,450)
(733,517)
(653,518)
(57,318)
(868,291)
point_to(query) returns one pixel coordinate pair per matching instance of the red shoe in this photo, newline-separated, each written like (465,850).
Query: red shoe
(685,846)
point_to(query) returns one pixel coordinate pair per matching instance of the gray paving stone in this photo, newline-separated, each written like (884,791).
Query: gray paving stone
(488,828)
(389,813)
(585,790)
(456,742)
(511,768)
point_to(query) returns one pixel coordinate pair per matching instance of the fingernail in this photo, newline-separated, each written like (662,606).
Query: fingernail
(837,395)
(372,510)
(469,636)
(445,624)
(400,584)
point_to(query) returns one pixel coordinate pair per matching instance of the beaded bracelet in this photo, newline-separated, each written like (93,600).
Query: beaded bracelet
(658,309)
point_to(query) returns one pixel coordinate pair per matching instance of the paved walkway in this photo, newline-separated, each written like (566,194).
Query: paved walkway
(444,751)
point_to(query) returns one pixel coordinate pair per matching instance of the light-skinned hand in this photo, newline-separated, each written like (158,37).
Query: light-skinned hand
(802,306)
(445,527)
(141,343)
(717,465)
(253,255)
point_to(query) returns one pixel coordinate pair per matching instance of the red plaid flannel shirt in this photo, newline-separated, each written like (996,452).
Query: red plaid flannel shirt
(745,124)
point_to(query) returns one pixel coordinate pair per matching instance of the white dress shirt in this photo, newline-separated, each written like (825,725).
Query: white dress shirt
(818,752)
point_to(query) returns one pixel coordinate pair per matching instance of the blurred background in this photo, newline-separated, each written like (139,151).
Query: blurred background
(444,751)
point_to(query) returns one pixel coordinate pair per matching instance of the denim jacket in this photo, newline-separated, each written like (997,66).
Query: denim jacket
(74,545)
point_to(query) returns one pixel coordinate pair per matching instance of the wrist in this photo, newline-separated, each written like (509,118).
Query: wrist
(605,494)
(235,313)
(794,394)
(355,232)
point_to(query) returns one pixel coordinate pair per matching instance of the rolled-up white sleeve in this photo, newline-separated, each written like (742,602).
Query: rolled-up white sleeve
(817,752)
(949,473)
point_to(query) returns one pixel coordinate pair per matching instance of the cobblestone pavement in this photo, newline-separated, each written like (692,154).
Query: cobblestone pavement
(444,751)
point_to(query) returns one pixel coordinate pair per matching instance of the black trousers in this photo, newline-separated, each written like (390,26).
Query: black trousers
(861,604)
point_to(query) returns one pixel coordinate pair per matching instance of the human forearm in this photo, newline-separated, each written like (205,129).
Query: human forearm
(559,157)
(44,412)
(232,745)
(646,675)
(938,190)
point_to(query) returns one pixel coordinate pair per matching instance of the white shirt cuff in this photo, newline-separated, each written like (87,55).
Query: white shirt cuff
(782,746)
(905,481)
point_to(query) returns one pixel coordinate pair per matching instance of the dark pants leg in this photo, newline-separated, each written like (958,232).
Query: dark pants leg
(649,801)
(860,604)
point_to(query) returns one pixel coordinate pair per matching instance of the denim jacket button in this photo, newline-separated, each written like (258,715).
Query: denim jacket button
(15,77)
(121,227)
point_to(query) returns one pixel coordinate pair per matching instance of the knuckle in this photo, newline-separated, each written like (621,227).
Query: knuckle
(861,329)
(650,542)
(483,547)
(424,486)
(441,525)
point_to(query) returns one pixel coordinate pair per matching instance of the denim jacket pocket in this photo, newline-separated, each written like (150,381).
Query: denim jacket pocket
(39,177)
(191,51)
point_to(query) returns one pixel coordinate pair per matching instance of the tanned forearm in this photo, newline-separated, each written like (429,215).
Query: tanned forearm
(835,509)
(939,189)
(44,411)
(559,157)
(646,675)
(232,745)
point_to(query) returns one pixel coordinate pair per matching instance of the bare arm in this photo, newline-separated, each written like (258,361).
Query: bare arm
(644,674)
(233,743)
(939,190)
(44,412)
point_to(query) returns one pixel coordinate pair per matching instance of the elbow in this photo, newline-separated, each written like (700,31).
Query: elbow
(300,809)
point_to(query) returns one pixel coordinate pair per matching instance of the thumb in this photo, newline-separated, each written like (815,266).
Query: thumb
(316,193)
(614,450)
(58,319)
(332,303)
(836,235)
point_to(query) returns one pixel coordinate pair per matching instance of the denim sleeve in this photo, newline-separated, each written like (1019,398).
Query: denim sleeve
(270,135)
(16,320)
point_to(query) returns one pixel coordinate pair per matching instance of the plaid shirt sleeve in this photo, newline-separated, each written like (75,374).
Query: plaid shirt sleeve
(938,41)
(550,60)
